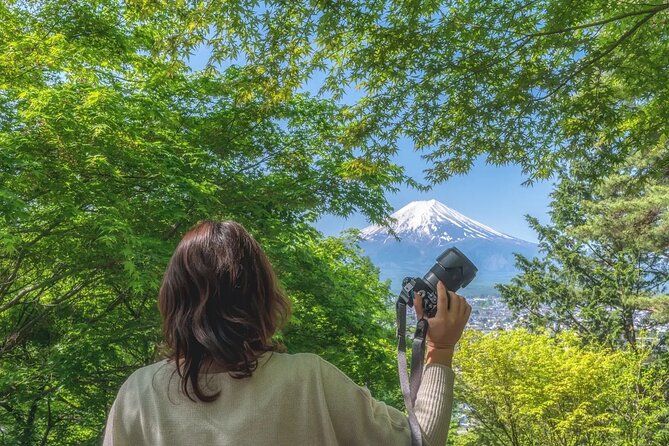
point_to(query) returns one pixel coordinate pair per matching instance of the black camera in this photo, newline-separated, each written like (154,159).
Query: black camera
(453,268)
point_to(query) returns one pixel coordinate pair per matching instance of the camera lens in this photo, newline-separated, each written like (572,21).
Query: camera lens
(453,268)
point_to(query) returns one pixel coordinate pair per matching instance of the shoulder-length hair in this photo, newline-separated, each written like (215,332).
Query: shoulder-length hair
(220,303)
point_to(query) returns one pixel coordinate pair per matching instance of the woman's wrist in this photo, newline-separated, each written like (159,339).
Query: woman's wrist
(439,355)
(439,345)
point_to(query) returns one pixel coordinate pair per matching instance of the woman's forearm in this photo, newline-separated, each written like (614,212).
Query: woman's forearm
(434,402)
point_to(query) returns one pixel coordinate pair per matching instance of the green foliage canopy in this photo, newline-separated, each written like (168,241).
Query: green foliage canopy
(605,264)
(535,389)
(110,148)
(534,83)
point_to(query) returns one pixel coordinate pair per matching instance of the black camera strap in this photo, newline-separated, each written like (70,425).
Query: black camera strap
(411,384)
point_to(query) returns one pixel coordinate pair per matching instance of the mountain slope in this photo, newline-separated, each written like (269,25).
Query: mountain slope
(432,222)
(426,229)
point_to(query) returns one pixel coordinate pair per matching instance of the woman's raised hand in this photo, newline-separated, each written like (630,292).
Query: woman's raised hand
(446,327)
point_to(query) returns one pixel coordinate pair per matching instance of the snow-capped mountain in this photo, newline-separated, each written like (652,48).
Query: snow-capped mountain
(426,228)
(434,223)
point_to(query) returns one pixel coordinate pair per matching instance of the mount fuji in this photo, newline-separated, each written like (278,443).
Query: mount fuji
(425,229)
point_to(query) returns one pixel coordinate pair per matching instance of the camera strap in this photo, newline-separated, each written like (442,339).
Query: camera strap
(411,384)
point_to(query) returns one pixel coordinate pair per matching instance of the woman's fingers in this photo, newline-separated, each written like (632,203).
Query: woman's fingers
(442,300)
(418,305)
(451,302)
(449,322)
(448,302)
(455,303)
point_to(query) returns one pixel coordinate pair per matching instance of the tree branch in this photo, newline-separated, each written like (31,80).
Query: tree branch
(28,289)
(651,11)
(629,33)
(49,423)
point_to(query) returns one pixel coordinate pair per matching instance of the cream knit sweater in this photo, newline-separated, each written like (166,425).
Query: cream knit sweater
(296,399)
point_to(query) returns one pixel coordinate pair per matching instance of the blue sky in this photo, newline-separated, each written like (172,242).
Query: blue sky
(493,195)
(490,194)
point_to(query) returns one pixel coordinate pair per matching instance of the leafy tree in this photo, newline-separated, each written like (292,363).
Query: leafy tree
(605,263)
(535,389)
(630,211)
(534,83)
(110,149)
(629,206)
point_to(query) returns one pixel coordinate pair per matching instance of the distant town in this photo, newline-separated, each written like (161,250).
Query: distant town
(490,313)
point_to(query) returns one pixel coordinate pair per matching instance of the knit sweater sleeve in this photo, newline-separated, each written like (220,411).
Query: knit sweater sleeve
(434,403)
(358,418)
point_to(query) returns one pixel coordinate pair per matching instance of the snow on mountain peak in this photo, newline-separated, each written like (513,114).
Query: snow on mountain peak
(431,221)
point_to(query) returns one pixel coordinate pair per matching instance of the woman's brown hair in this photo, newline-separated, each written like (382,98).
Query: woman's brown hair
(220,303)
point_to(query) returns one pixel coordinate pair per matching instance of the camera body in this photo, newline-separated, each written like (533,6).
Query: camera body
(453,268)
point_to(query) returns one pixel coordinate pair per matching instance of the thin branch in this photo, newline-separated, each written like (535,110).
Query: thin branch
(175,227)
(601,22)
(22,254)
(629,33)
(49,422)
(13,339)
(11,278)
(28,289)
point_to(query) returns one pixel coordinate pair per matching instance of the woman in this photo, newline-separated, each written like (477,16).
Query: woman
(225,382)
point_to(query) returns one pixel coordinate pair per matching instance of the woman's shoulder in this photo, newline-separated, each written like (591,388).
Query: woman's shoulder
(149,370)
(293,360)
(299,364)
(145,375)
(294,363)
(306,364)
